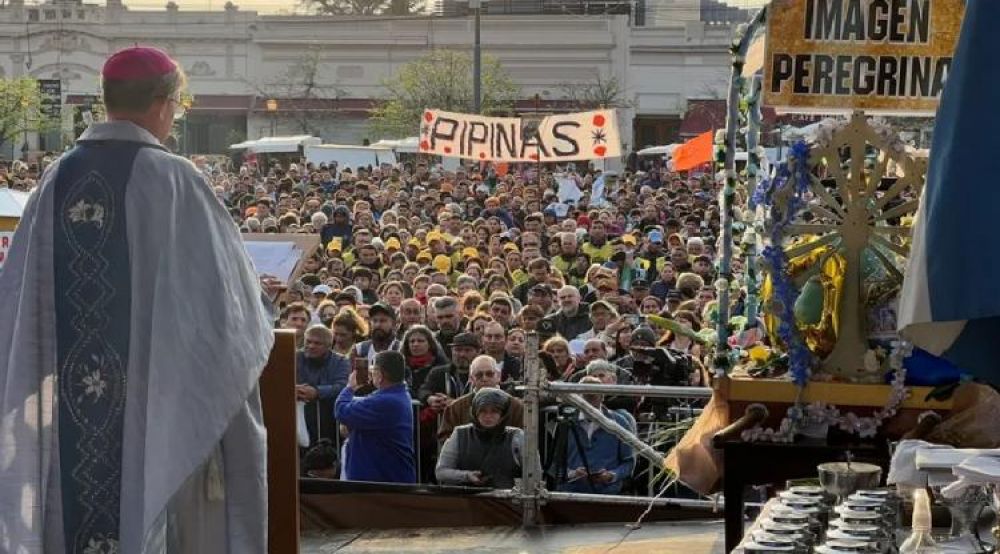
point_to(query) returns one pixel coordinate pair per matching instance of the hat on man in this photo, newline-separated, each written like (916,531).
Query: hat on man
(640,284)
(382,308)
(542,288)
(322,289)
(629,239)
(442,263)
(656,236)
(138,63)
(392,244)
(644,335)
(510,247)
(467,339)
(425,256)
(470,252)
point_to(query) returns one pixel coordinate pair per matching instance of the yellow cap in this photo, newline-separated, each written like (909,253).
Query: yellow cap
(392,244)
(442,263)
(434,235)
(470,252)
(510,247)
(414,242)
(424,255)
(336,244)
(629,239)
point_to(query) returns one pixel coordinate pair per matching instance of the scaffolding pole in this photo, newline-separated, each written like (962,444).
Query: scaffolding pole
(531,473)
(648,391)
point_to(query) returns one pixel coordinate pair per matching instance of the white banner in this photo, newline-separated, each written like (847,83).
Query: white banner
(560,137)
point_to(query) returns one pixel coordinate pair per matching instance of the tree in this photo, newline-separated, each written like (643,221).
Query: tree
(20,110)
(365,7)
(302,95)
(441,80)
(599,93)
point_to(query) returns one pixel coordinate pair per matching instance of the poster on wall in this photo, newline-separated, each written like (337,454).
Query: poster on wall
(555,138)
(833,56)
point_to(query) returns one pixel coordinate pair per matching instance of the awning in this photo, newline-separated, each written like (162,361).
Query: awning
(275,145)
(12,202)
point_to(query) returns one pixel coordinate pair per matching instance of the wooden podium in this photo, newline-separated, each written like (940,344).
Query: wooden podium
(277,394)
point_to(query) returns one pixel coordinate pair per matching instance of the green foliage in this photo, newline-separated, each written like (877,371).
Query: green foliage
(20,109)
(365,7)
(441,80)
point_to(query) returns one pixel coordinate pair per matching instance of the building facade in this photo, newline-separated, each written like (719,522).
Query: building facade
(322,74)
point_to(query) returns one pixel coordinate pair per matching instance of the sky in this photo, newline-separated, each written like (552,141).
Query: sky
(277,6)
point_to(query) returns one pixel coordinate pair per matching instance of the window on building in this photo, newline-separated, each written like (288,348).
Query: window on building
(33,15)
(50,14)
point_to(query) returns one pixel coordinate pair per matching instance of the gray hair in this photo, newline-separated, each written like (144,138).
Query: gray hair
(322,332)
(137,95)
(600,366)
(318,220)
(445,302)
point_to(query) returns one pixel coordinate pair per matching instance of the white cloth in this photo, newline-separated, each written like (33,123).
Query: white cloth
(200,337)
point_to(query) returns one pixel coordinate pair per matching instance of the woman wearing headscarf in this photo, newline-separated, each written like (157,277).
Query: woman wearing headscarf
(486,452)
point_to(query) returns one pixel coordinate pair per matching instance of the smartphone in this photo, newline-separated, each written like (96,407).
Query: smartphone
(361,368)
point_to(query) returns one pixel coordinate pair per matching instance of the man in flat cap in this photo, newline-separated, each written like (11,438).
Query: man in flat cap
(133,334)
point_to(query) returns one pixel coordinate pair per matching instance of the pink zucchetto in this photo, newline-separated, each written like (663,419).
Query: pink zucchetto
(138,62)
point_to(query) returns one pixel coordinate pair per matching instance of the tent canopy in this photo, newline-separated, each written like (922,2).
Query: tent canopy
(12,202)
(277,145)
(658,150)
(408,145)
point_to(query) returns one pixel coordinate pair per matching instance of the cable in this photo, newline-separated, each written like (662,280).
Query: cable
(638,523)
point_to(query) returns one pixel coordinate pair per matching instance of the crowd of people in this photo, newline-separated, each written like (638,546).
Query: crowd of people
(415,310)
(413,314)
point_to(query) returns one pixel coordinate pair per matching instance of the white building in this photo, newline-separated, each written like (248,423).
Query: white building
(237,60)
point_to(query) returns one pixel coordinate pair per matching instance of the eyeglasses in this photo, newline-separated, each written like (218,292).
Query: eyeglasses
(180,108)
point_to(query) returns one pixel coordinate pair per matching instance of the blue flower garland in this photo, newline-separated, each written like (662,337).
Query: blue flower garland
(800,359)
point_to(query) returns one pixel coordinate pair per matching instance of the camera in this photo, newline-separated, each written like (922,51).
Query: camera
(661,366)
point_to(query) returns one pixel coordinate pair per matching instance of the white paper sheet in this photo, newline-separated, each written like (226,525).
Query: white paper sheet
(277,259)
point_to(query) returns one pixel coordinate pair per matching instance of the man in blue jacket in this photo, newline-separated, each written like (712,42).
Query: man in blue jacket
(597,461)
(380,426)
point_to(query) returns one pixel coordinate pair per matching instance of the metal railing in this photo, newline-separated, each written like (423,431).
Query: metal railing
(540,427)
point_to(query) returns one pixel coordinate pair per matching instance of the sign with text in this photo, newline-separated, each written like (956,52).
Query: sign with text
(50,91)
(559,138)
(888,56)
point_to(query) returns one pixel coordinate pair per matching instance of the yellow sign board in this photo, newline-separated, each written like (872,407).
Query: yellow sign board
(889,56)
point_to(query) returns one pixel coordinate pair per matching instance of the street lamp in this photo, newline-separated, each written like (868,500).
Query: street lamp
(272,109)
(477,8)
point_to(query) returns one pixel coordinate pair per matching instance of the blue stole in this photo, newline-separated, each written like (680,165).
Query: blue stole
(93,317)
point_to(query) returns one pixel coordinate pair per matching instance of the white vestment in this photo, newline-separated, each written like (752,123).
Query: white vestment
(192,442)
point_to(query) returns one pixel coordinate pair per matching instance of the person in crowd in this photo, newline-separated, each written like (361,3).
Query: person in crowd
(382,334)
(321,374)
(349,328)
(515,347)
(379,444)
(448,321)
(596,461)
(297,317)
(542,296)
(451,380)
(487,451)
(573,318)
(564,364)
(411,312)
(495,345)
(483,372)
(421,353)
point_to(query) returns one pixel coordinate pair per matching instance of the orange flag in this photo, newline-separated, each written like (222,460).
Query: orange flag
(694,152)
